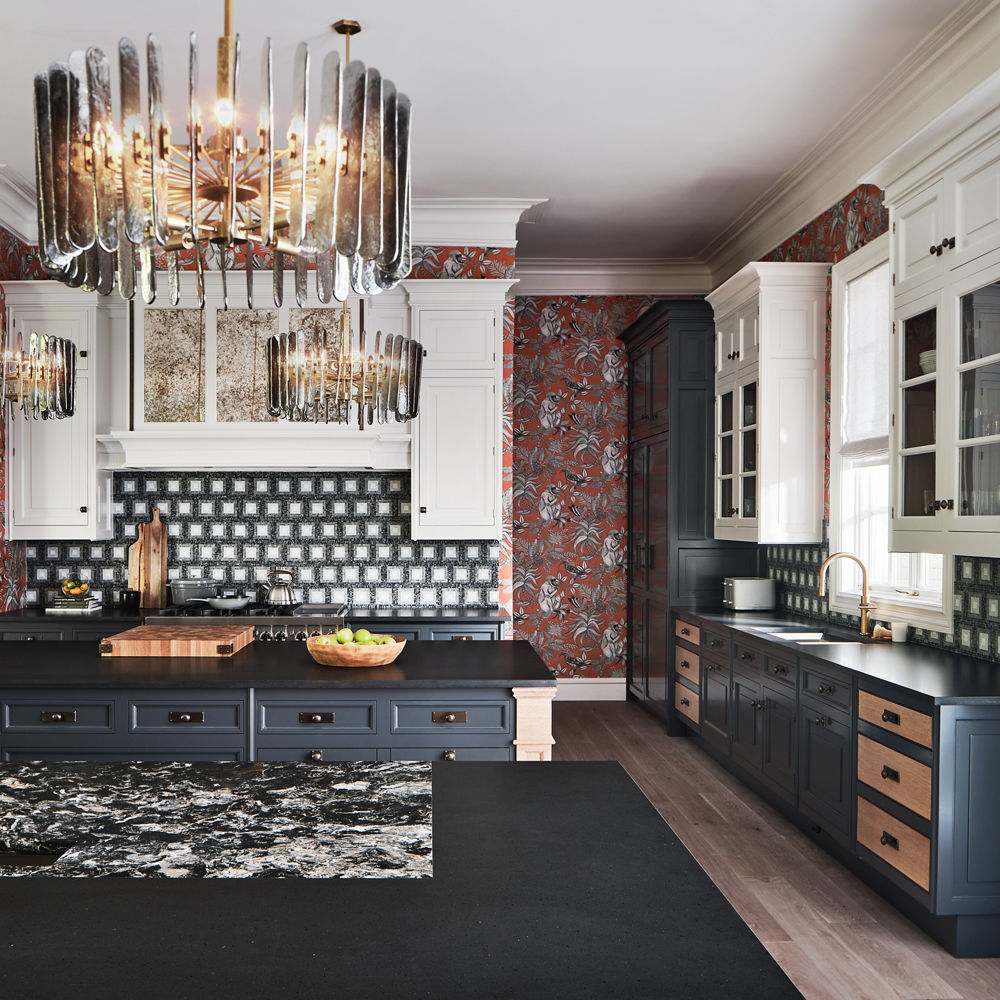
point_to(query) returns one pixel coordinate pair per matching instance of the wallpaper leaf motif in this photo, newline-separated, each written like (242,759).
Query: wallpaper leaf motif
(569,491)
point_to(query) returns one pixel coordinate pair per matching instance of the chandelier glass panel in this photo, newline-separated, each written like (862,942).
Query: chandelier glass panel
(113,193)
(40,382)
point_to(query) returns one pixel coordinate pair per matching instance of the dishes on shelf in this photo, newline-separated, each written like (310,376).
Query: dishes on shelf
(928,361)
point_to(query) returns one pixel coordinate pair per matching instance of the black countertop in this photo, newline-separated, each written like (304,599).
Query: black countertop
(423,664)
(427,616)
(942,676)
(532,896)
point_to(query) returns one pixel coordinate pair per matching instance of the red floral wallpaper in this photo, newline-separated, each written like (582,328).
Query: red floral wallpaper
(507,485)
(18,261)
(569,510)
(832,236)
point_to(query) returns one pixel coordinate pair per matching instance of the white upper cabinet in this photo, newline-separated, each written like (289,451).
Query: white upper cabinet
(55,489)
(944,210)
(458,434)
(769,403)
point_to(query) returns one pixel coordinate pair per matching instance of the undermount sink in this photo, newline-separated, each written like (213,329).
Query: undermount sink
(806,637)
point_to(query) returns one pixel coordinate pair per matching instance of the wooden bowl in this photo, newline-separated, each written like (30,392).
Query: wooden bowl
(335,655)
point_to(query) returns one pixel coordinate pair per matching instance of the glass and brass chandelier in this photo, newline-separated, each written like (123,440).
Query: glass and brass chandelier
(40,382)
(322,377)
(333,197)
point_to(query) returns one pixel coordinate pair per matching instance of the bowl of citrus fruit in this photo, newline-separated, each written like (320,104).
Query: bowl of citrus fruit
(73,586)
(354,649)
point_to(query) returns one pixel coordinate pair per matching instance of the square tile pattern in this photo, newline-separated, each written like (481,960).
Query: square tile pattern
(976,622)
(346,536)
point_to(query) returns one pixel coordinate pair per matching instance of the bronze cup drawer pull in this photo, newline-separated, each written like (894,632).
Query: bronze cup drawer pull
(827,688)
(449,716)
(463,638)
(888,840)
(890,773)
(747,656)
(185,717)
(59,716)
(892,717)
(686,701)
(327,718)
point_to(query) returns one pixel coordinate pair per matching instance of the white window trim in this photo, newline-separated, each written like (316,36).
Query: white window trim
(846,602)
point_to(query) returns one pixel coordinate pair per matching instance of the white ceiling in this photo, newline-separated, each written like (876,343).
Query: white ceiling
(650,125)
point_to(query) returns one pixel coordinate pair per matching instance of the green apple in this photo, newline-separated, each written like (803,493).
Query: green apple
(344,635)
(362,635)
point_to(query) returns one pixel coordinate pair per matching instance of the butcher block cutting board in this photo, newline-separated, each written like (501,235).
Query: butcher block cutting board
(178,640)
(147,562)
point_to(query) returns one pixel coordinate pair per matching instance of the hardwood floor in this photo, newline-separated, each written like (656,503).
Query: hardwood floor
(834,937)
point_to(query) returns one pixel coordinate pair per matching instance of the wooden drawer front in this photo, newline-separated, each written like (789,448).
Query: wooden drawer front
(782,671)
(185,715)
(434,716)
(831,687)
(57,714)
(686,664)
(905,722)
(895,843)
(686,702)
(715,643)
(307,755)
(305,717)
(688,632)
(450,754)
(894,774)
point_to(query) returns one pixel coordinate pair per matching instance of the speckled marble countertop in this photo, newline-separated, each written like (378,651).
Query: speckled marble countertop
(271,820)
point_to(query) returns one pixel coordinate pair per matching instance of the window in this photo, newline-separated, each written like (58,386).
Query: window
(914,588)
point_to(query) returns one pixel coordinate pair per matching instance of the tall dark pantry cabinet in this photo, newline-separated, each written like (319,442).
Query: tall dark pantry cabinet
(673,560)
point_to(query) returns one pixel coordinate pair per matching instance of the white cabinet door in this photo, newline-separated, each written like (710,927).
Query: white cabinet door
(975,192)
(456,478)
(457,338)
(54,489)
(727,343)
(920,224)
(749,334)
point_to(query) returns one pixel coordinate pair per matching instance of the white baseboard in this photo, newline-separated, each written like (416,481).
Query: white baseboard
(590,689)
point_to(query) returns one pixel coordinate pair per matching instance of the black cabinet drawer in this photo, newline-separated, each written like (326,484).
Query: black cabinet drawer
(449,754)
(827,683)
(58,713)
(747,659)
(715,642)
(30,633)
(782,670)
(445,715)
(305,717)
(185,715)
(473,633)
(308,755)
(224,755)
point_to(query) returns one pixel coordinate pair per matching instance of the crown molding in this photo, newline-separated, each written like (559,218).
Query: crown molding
(957,57)
(18,211)
(474,222)
(620,276)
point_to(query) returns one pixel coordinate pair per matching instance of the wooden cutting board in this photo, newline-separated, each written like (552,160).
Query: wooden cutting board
(147,562)
(178,640)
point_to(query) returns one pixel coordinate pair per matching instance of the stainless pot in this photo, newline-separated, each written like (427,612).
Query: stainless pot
(182,591)
(277,592)
(222,603)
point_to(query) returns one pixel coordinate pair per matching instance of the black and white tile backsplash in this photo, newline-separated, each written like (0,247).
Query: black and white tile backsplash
(976,601)
(346,536)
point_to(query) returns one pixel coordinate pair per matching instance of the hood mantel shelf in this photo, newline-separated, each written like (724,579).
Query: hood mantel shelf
(269,446)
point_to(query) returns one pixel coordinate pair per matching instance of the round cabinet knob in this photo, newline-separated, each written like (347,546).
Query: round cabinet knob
(449,755)
(316,718)
(57,716)
(316,755)
(83,510)
(184,717)
(450,717)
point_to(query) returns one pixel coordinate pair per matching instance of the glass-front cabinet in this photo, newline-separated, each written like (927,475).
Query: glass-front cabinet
(946,418)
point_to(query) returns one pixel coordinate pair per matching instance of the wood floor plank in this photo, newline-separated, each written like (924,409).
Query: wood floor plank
(834,936)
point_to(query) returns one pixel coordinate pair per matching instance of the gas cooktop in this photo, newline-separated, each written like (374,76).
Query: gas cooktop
(270,623)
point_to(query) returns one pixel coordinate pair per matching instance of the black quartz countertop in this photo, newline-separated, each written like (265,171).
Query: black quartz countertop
(462,616)
(423,664)
(37,613)
(937,674)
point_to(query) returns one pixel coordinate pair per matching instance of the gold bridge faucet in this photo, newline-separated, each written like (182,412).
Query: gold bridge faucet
(866,607)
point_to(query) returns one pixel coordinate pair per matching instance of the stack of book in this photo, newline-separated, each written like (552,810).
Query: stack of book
(73,606)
